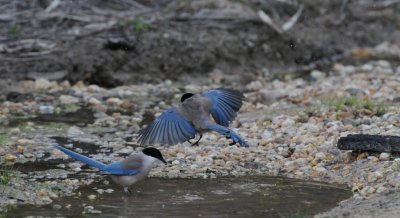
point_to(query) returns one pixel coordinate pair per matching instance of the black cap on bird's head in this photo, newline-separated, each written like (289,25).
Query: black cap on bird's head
(154,152)
(186,96)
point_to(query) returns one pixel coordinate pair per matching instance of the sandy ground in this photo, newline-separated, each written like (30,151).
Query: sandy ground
(385,206)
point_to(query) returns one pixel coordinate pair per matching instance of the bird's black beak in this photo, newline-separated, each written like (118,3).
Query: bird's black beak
(162,160)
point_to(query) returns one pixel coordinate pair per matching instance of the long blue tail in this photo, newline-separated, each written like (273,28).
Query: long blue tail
(229,133)
(84,159)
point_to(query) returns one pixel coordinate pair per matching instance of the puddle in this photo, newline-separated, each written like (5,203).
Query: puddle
(87,147)
(31,167)
(81,117)
(222,197)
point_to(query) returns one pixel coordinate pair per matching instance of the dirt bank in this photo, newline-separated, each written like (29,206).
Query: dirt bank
(125,42)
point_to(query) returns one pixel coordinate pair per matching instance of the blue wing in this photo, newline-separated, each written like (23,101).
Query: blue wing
(84,159)
(116,169)
(225,104)
(169,128)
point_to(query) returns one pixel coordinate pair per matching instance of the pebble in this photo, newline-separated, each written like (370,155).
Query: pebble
(267,134)
(94,101)
(268,96)
(74,131)
(25,142)
(67,99)
(10,158)
(317,74)
(109,190)
(92,197)
(42,84)
(20,149)
(57,206)
(90,210)
(384,156)
(114,101)
(254,85)
(15,131)
(46,109)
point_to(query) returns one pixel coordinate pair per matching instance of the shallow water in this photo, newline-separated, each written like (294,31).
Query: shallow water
(222,197)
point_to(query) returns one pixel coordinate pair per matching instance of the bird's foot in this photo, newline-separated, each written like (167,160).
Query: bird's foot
(237,139)
(194,143)
(197,142)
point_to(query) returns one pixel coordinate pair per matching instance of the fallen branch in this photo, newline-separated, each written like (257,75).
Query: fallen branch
(286,26)
(268,20)
(292,21)
(378,143)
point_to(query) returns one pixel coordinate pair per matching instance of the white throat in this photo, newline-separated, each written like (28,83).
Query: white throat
(148,161)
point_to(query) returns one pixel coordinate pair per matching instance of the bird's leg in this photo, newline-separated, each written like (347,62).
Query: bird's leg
(197,142)
(127,191)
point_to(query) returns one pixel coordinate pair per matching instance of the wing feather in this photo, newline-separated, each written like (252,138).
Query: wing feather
(169,128)
(225,104)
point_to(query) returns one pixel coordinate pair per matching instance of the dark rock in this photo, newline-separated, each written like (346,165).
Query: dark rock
(377,143)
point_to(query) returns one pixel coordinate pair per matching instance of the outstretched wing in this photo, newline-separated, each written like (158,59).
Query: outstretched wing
(225,104)
(169,128)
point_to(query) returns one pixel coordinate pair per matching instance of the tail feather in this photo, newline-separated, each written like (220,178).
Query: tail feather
(84,159)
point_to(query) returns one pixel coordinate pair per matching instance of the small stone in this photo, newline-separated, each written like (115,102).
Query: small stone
(254,85)
(10,158)
(94,101)
(126,104)
(94,88)
(74,131)
(57,206)
(25,142)
(65,84)
(355,92)
(175,162)
(92,197)
(320,156)
(90,210)
(267,134)
(126,150)
(311,128)
(42,84)
(109,190)
(114,101)
(80,85)
(46,109)
(367,190)
(20,149)
(384,156)
(67,99)
(361,156)
(381,189)
(318,74)
(268,96)
(15,131)
(27,84)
